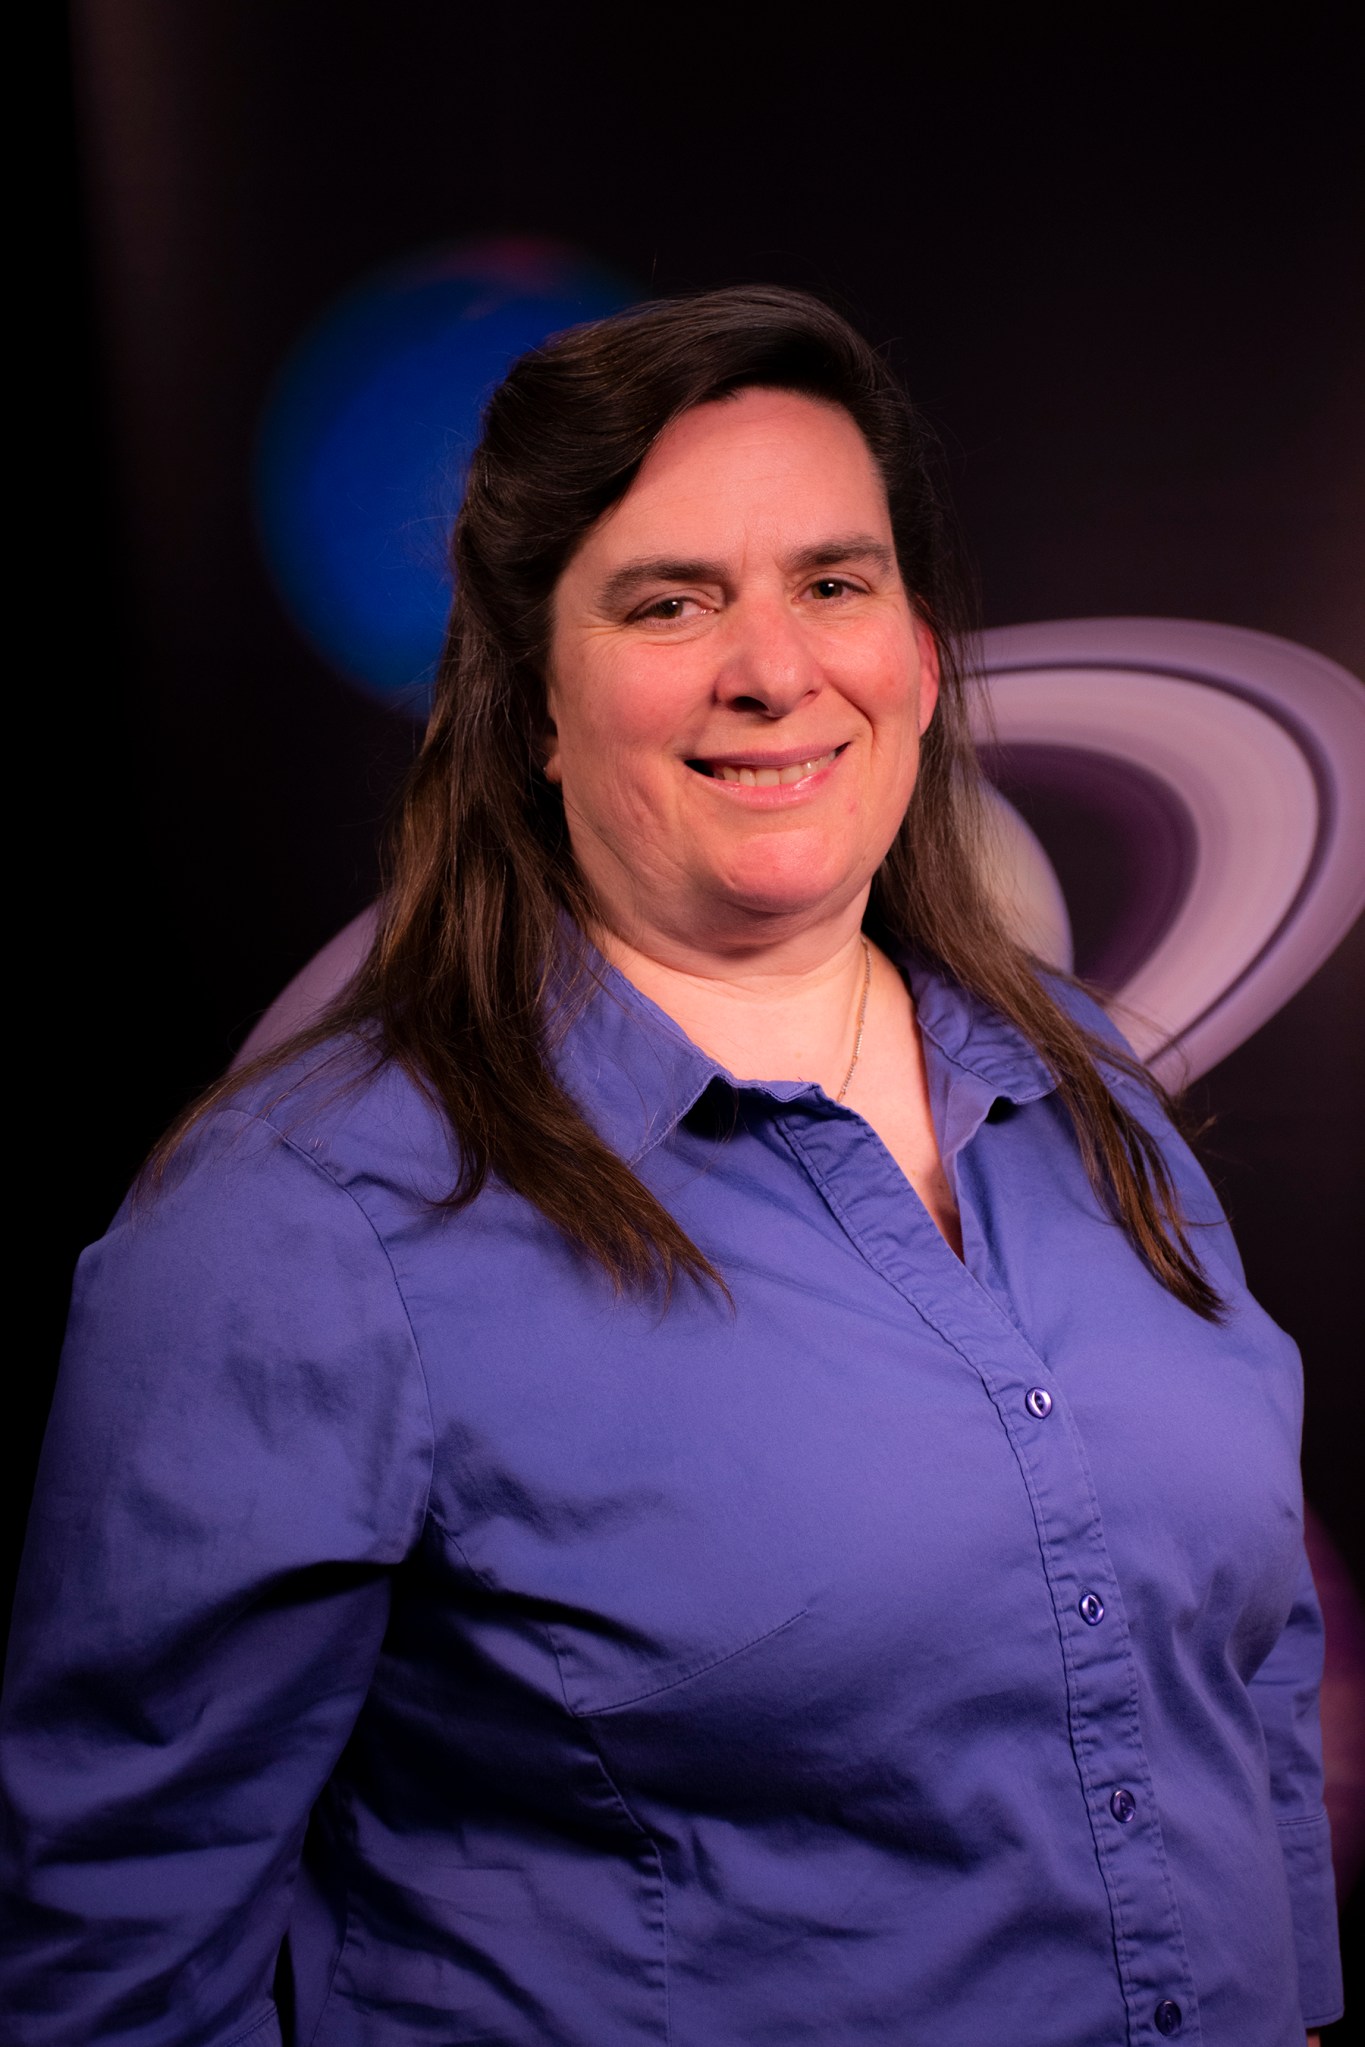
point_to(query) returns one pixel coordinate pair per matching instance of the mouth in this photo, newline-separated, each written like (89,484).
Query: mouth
(756,772)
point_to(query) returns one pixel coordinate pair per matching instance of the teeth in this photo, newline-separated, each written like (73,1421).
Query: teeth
(770,778)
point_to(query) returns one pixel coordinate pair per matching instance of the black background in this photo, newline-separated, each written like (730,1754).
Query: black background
(1120,266)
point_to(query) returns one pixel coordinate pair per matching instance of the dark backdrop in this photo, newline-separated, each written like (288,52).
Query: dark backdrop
(1121,268)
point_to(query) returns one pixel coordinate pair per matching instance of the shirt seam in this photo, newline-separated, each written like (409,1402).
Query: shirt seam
(348,1827)
(588,1737)
(645,1834)
(480,1576)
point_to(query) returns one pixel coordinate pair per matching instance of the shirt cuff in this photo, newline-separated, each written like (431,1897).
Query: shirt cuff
(1307,1847)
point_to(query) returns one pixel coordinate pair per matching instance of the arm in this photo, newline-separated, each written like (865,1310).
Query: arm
(237,1456)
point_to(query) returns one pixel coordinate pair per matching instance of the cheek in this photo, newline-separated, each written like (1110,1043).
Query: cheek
(892,681)
(898,717)
(583,730)
(595,702)
(629,712)
(610,754)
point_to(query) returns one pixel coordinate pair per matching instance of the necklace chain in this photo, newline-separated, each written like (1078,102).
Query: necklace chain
(862,1019)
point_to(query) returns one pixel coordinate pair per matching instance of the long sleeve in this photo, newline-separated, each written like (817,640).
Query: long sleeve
(238,1454)
(1285,1690)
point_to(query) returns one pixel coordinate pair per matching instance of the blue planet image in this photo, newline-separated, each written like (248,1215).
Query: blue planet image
(367,436)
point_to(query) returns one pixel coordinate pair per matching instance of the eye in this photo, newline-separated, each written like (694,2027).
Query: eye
(666,610)
(827,588)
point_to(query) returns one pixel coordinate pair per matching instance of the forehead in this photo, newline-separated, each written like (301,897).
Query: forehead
(737,468)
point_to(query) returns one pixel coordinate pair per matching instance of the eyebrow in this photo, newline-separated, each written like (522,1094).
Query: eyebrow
(632,575)
(844,547)
(622,583)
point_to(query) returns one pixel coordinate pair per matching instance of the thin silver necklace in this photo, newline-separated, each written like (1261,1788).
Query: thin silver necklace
(862,1019)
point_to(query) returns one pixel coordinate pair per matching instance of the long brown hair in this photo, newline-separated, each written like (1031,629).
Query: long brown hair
(483,901)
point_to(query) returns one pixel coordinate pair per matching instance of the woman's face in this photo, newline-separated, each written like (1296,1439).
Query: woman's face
(737,684)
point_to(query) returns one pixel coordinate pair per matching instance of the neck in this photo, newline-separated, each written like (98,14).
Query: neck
(782,1011)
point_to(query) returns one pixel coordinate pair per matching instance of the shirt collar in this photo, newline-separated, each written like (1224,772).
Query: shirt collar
(636,1073)
(973,1056)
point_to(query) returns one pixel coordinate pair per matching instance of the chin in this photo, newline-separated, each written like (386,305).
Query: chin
(775,890)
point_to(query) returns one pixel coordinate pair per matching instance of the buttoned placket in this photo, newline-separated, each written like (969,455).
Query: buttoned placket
(863,1187)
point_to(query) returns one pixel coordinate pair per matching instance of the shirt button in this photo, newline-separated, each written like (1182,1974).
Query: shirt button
(1168,2016)
(1091,1609)
(1038,1401)
(1123,1805)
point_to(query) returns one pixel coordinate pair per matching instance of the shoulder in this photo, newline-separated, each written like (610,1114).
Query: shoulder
(262,1242)
(1086,1009)
(289,1189)
(335,1113)
(239,1338)
(1126,1079)
(1124,1071)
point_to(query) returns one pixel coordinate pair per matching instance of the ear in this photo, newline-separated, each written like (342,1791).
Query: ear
(928,674)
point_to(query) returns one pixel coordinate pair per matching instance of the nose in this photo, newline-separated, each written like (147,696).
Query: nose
(767,665)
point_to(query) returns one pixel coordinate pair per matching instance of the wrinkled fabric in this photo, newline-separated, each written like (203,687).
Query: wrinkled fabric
(418,1643)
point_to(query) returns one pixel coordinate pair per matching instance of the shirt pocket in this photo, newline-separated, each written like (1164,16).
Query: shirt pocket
(598,1679)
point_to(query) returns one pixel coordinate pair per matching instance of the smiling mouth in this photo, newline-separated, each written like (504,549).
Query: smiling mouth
(755,775)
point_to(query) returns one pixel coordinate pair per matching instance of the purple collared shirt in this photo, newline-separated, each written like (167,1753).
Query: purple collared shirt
(418,1643)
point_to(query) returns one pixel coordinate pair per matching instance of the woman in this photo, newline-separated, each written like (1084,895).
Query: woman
(693,1463)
